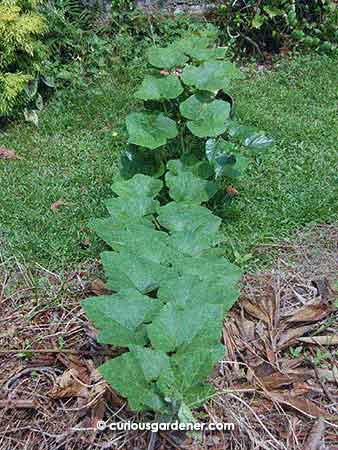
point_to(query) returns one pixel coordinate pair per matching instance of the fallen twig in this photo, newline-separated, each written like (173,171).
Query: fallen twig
(18,403)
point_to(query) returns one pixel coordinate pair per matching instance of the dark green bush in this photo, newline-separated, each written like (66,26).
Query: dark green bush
(258,26)
(80,48)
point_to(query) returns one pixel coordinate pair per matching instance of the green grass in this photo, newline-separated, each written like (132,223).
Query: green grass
(73,155)
(294,185)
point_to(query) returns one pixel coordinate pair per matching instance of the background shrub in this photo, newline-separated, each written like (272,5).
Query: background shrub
(267,26)
(22,52)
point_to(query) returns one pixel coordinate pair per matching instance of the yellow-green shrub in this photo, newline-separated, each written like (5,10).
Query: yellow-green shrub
(21,51)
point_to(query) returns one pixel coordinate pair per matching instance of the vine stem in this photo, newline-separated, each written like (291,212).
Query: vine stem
(182,139)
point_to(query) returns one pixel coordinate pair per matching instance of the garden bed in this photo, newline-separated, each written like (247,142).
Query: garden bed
(276,383)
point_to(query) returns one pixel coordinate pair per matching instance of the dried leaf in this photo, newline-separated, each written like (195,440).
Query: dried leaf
(247,329)
(323,374)
(323,287)
(231,191)
(68,386)
(98,287)
(270,353)
(54,279)
(263,370)
(254,310)
(310,313)
(320,340)
(6,153)
(287,337)
(85,243)
(82,368)
(277,379)
(302,405)
(98,413)
(56,205)
(315,437)
(99,391)
(301,389)
(284,51)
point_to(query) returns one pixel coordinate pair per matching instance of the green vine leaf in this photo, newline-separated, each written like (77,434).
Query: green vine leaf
(136,199)
(133,374)
(134,237)
(119,317)
(104,227)
(186,218)
(258,21)
(173,333)
(250,137)
(210,76)
(150,130)
(167,57)
(193,366)
(207,54)
(207,118)
(126,270)
(159,88)
(140,186)
(176,327)
(188,45)
(192,228)
(209,267)
(224,157)
(190,289)
(133,161)
(184,186)
(272,11)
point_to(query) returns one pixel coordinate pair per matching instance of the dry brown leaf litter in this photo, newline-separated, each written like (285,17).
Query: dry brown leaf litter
(277,383)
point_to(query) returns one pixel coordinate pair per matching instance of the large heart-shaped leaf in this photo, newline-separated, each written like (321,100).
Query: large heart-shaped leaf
(193,229)
(191,43)
(150,130)
(184,186)
(135,205)
(207,54)
(191,289)
(139,186)
(250,137)
(135,237)
(134,161)
(224,157)
(133,374)
(182,217)
(159,88)
(126,270)
(166,58)
(194,364)
(119,316)
(209,267)
(210,76)
(206,118)
(175,327)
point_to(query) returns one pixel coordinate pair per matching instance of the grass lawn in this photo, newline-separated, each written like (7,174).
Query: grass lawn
(73,155)
(295,184)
